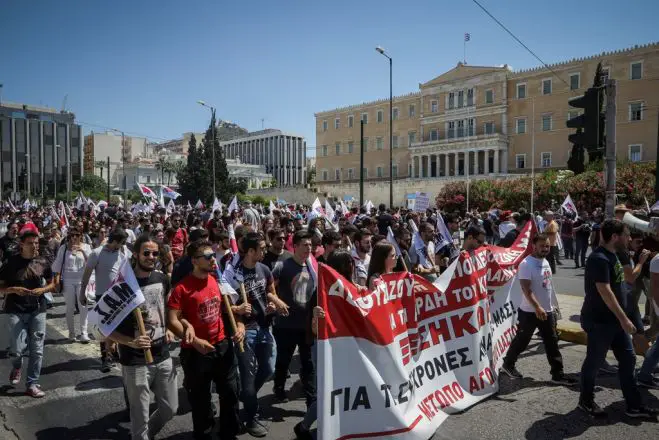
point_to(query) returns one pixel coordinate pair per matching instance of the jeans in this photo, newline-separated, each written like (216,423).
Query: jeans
(312,411)
(71,291)
(527,323)
(581,246)
(257,364)
(552,258)
(650,362)
(568,247)
(601,337)
(30,328)
(139,381)
(287,340)
(219,367)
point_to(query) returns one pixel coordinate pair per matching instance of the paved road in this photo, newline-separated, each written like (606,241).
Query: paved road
(81,403)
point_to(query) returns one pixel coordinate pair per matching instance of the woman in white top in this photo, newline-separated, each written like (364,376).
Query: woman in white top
(68,268)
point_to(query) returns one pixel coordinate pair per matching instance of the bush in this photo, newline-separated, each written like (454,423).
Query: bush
(634,183)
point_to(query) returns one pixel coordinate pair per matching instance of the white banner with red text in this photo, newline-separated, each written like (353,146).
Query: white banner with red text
(396,361)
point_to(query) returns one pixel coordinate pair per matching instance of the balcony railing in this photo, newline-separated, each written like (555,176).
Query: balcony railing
(448,140)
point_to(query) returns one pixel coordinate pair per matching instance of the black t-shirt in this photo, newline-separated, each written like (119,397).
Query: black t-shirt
(182,268)
(384,221)
(258,282)
(296,286)
(155,289)
(487,225)
(270,258)
(583,233)
(8,247)
(602,266)
(30,274)
(509,239)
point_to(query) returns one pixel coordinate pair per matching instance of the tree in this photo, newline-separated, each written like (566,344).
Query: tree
(101,165)
(311,177)
(176,168)
(192,176)
(161,166)
(91,185)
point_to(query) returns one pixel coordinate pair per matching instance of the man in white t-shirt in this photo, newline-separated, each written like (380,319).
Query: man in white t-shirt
(537,310)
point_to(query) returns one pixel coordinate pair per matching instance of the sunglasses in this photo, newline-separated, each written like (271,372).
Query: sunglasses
(206,257)
(153,253)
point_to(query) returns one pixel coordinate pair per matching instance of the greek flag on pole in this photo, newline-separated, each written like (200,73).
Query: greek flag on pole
(467,36)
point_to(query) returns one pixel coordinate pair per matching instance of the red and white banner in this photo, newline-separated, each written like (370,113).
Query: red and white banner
(396,361)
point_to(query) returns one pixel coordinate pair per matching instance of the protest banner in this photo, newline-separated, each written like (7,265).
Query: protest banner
(123,297)
(421,202)
(396,361)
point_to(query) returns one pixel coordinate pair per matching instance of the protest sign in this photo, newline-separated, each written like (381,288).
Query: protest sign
(397,360)
(421,202)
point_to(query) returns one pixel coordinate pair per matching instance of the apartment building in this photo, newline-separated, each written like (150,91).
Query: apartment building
(485,121)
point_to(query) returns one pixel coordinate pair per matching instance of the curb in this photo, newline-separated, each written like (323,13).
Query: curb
(571,333)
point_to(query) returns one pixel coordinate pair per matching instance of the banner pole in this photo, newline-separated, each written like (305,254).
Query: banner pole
(140,325)
(232,319)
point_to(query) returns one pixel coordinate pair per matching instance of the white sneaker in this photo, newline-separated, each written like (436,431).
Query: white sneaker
(83,339)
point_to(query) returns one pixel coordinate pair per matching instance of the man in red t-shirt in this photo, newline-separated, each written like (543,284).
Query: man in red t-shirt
(207,353)
(180,239)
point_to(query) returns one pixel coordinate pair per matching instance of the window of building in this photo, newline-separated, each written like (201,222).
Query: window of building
(461,98)
(394,140)
(451,100)
(351,147)
(521,125)
(489,96)
(635,153)
(337,149)
(365,118)
(605,75)
(409,170)
(380,116)
(636,111)
(394,112)
(470,97)
(521,91)
(546,86)
(324,125)
(148,179)
(379,143)
(325,176)
(546,122)
(337,123)
(379,171)
(489,128)
(324,150)
(433,134)
(365,144)
(411,137)
(434,106)
(351,173)
(451,129)
(365,173)
(636,70)
(520,161)
(545,159)
(412,111)
(337,174)
(461,128)
(575,81)
(351,121)
(395,171)
(470,127)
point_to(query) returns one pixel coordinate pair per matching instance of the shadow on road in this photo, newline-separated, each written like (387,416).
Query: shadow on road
(107,427)
(71,365)
(105,382)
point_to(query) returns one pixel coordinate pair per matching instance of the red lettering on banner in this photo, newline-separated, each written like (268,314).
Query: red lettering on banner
(439,399)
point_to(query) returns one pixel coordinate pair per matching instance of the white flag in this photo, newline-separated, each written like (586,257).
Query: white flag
(189,205)
(170,206)
(199,205)
(391,239)
(123,296)
(316,206)
(569,206)
(647,205)
(330,214)
(216,205)
(272,207)
(233,206)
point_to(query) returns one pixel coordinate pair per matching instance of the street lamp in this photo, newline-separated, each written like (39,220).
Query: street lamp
(212,109)
(123,163)
(57,147)
(391,128)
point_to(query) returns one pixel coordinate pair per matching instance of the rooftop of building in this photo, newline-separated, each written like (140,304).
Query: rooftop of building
(11,107)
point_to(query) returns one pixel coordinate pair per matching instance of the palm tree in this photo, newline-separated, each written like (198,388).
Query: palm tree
(100,164)
(176,168)
(160,166)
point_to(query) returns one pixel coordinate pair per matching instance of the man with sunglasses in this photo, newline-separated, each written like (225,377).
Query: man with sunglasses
(105,262)
(207,352)
(160,376)
(276,251)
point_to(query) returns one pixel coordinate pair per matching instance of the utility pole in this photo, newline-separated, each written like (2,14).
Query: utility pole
(610,147)
(656,173)
(109,192)
(361,163)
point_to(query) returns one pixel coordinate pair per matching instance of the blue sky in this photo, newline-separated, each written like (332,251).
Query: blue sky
(141,65)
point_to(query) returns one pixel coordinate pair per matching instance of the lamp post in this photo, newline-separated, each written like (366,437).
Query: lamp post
(57,147)
(212,109)
(391,128)
(123,163)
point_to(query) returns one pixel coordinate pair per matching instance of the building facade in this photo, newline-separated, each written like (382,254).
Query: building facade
(282,154)
(101,146)
(486,121)
(41,151)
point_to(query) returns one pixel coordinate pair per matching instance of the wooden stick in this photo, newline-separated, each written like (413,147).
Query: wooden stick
(243,293)
(140,325)
(232,319)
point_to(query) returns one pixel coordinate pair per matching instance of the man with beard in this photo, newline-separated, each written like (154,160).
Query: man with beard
(404,239)
(605,322)
(537,310)
(180,239)
(9,242)
(160,376)
(207,352)
(361,255)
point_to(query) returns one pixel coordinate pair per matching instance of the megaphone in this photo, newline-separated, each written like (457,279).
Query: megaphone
(638,224)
